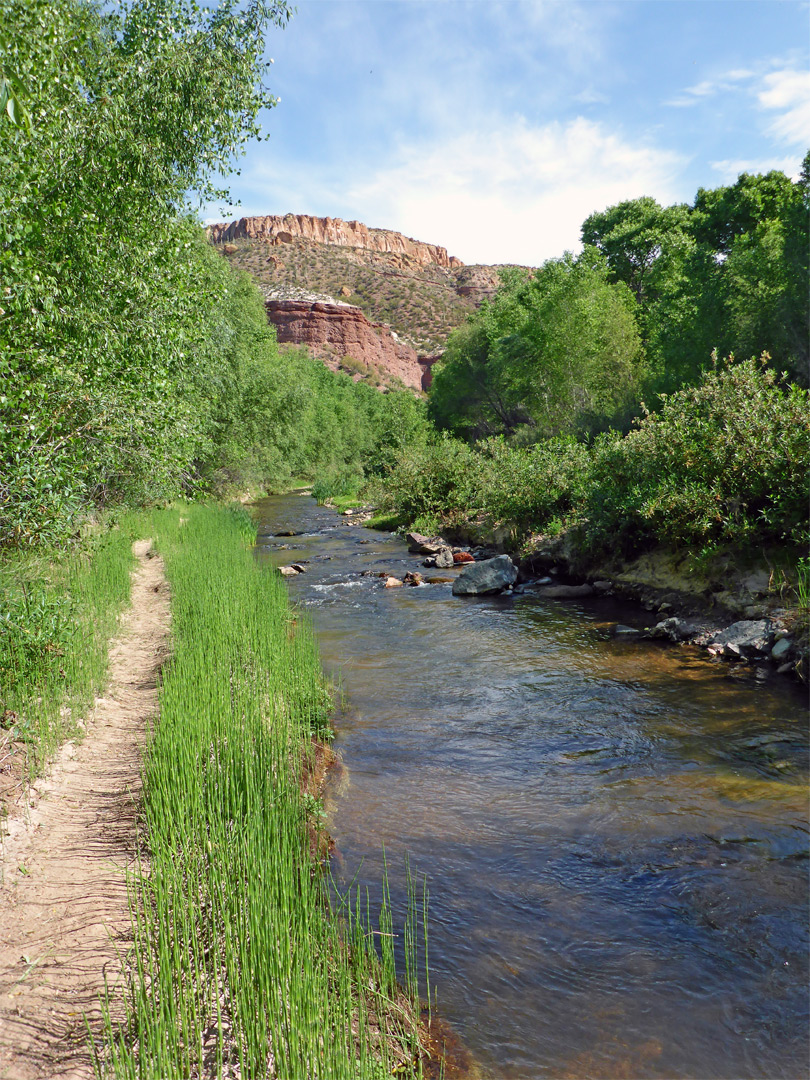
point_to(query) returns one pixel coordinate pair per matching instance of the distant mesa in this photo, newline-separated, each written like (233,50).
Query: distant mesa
(370,302)
(283,229)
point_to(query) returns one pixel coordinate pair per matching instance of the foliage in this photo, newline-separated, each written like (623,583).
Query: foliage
(533,488)
(111,298)
(432,484)
(555,352)
(56,619)
(725,462)
(729,272)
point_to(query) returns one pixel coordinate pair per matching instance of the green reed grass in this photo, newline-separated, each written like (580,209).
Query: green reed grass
(240,965)
(57,614)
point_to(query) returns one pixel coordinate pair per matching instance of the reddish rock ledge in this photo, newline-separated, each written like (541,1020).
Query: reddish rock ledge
(341,335)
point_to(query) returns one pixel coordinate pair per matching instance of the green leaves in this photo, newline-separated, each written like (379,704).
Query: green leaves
(111,304)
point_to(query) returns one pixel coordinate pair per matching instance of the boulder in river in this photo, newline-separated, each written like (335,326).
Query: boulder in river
(288,571)
(424,545)
(462,557)
(748,638)
(489,576)
(392,583)
(444,559)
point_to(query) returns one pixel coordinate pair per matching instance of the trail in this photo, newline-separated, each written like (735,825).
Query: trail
(64,916)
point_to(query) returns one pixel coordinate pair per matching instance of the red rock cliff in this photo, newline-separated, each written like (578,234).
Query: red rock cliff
(337,332)
(282,229)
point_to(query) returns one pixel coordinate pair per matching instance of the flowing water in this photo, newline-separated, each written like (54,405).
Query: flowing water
(614,833)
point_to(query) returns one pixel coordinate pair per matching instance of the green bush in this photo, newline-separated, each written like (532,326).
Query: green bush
(724,462)
(432,485)
(532,488)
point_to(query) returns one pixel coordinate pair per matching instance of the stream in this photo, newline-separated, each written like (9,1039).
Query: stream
(614,832)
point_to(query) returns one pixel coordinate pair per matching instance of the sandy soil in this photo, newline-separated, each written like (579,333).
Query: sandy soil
(64,918)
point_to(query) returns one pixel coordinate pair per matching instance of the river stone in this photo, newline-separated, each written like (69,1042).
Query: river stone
(288,571)
(748,637)
(672,629)
(620,630)
(462,557)
(423,545)
(392,583)
(444,559)
(564,592)
(781,649)
(489,576)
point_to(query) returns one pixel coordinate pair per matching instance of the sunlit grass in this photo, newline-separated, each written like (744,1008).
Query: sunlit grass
(240,965)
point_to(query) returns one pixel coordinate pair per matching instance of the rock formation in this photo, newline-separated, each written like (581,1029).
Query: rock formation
(282,229)
(342,336)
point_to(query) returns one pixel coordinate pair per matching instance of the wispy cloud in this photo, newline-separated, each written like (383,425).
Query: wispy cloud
(788,93)
(730,168)
(513,192)
(694,95)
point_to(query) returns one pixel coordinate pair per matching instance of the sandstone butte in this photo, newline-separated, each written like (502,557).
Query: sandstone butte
(282,229)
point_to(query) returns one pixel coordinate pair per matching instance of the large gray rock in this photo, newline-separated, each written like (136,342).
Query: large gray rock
(748,638)
(490,576)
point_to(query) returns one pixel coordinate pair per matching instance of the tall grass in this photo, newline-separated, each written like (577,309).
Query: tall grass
(240,966)
(57,614)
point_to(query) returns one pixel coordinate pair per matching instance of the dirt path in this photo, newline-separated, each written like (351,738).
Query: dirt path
(64,918)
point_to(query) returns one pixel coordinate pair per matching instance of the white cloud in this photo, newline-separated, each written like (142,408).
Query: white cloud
(728,80)
(789,92)
(511,192)
(730,169)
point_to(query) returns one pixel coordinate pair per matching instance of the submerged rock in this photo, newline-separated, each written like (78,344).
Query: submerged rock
(564,592)
(489,576)
(781,649)
(620,630)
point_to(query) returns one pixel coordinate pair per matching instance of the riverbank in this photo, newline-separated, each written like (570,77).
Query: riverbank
(750,613)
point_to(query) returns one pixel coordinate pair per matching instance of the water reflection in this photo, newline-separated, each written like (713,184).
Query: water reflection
(615,833)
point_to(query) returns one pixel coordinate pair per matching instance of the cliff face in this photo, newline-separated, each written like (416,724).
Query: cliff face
(343,337)
(283,229)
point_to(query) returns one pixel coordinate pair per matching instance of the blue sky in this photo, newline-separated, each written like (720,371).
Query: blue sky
(495,128)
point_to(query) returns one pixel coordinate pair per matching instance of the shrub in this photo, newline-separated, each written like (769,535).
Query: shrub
(724,462)
(529,488)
